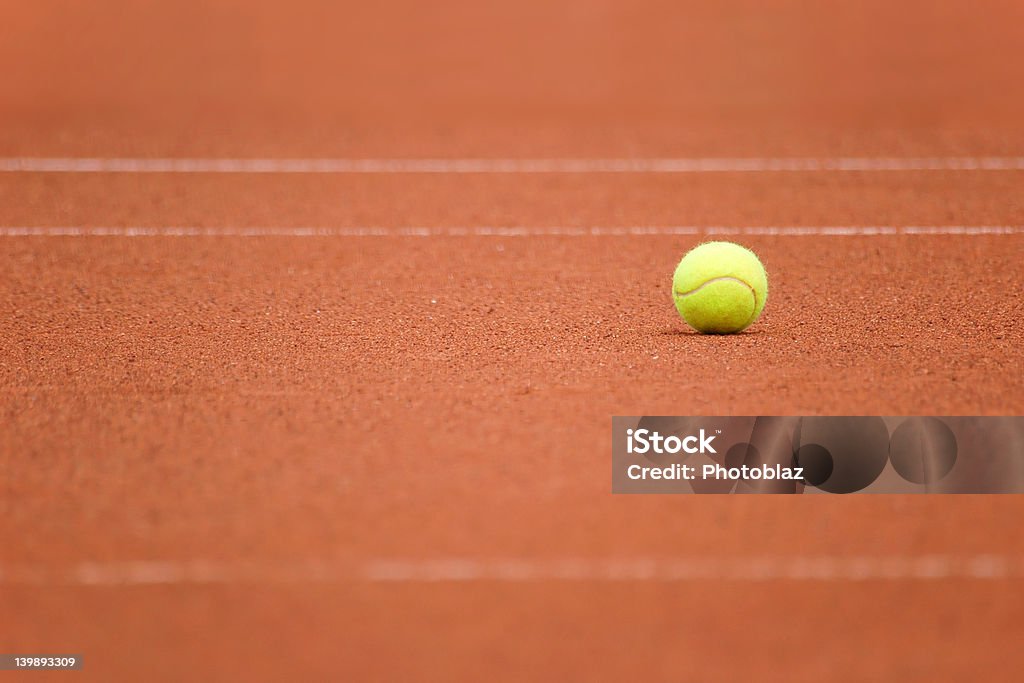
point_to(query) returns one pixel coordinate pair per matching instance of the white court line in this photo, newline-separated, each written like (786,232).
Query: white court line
(504,231)
(523,570)
(469,165)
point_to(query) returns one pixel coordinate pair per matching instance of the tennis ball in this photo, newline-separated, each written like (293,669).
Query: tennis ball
(719,287)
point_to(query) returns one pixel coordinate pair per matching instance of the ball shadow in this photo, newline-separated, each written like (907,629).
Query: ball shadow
(695,333)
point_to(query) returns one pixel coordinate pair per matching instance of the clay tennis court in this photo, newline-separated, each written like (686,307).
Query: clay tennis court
(315,316)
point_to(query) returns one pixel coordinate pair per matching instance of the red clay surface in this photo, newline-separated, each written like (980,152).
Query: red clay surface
(265,405)
(571,78)
(277,400)
(729,199)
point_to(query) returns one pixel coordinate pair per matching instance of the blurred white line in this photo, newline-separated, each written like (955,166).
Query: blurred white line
(749,569)
(505,231)
(455,166)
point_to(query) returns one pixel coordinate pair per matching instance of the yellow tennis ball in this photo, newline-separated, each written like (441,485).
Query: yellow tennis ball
(719,287)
